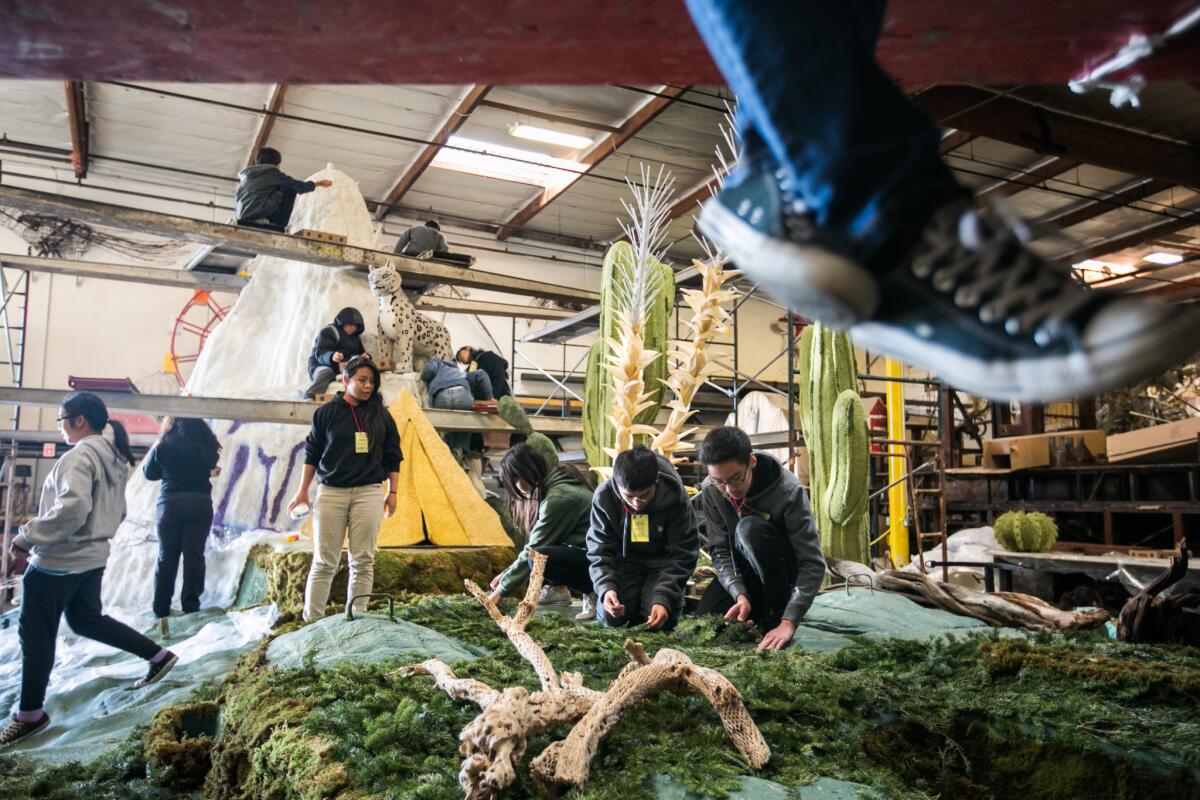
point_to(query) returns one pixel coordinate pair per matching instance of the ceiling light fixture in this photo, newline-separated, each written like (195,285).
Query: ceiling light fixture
(1161,257)
(536,134)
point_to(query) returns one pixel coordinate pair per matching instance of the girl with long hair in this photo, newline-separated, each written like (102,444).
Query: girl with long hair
(562,496)
(185,460)
(352,448)
(82,504)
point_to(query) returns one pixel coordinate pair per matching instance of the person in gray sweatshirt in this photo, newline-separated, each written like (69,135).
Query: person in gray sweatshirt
(265,196)
(761,536)
(422,240)
(642,543)
(82,503)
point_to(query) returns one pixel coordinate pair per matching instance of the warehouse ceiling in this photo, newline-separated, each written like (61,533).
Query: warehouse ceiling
(1106,188)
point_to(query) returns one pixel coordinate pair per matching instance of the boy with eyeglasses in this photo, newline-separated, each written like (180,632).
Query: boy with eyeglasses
(761,537)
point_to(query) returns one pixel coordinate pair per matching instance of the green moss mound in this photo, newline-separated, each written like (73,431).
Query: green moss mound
(979,717)
(400,572)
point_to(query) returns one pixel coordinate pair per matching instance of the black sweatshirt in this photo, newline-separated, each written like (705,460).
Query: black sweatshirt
(183,472)
(330,444)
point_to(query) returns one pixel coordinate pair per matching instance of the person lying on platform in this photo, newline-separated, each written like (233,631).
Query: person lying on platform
(452,389)
(335,345)
(561,501)
(761,537)
(495,365)
(642,542)
(265,196)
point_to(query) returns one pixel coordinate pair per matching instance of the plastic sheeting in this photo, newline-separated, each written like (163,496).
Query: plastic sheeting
(90,702)
(666,788)
(837,615)
(366,639)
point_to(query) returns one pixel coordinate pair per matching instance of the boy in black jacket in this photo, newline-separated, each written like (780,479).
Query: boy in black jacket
(643,542)
(335,345)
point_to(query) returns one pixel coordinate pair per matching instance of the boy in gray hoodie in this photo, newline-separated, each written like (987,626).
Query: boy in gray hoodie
(265,196)
(81,506)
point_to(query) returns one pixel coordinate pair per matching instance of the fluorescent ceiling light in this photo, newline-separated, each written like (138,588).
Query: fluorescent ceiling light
(1096,270)
(1164,258)
(534,133)
(506,163)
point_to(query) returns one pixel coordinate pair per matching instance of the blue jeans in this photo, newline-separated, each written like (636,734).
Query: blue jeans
(813,101)
(456,398)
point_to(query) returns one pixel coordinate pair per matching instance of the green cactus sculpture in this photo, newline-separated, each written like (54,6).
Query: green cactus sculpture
(598,400)
(1026,532)
(835,431)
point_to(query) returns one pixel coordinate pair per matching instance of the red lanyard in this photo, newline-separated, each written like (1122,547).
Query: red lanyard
(741,506)
(357,427)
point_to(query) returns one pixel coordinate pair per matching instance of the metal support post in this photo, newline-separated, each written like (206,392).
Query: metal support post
(897,496)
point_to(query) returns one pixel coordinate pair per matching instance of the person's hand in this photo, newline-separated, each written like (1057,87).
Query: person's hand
(658,616)
(740,611)
(612,605)
(323,182)
(494,597)
(389,504)
(496,580)
(301,499)
(17,562)
(778,637)
(339,357)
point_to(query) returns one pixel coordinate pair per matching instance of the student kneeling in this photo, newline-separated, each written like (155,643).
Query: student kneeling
(761,536)
(643,542)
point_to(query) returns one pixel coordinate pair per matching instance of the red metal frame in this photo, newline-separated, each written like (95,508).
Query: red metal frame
(202,308)
(531,41)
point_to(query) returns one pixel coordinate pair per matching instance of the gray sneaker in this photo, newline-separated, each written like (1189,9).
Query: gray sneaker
(554,595)
(969,301)
(588,611)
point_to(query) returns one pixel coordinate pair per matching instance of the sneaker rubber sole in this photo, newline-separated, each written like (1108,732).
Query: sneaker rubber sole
(813,281)
(167,666)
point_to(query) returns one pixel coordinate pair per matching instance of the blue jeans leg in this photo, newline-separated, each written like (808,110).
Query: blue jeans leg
(861,157)
(456,398)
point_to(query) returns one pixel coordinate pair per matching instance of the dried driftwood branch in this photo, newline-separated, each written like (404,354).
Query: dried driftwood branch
(494,742)
(1147,617)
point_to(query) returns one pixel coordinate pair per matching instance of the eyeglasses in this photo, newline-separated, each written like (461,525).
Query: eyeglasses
(735,481)
(62,419)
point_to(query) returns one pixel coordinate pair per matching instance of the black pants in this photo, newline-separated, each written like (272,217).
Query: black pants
(768,568)
(567,566)
(183,525)
(44,598)
(278,219)
(635,589)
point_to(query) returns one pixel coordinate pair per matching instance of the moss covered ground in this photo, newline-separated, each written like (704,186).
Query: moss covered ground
(975,717)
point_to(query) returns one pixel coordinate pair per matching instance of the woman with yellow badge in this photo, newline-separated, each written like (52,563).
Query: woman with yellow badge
(642,543)
(352,449)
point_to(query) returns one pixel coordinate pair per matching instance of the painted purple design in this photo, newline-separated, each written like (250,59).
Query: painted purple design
(232,428)
(287,479)
(240,459)
(267,462)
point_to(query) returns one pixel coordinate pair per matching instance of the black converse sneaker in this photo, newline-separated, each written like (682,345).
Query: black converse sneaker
(16,730)
(156,672)
(969,301)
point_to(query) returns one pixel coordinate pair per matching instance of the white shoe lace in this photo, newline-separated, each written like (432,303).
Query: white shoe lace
(982,261)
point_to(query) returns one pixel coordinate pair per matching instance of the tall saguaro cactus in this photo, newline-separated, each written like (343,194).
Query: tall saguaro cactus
(835,431)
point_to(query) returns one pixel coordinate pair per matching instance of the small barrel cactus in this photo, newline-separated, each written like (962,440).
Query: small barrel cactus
(1026,532)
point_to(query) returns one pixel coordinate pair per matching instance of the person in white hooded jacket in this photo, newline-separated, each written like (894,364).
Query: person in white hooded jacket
(81,506)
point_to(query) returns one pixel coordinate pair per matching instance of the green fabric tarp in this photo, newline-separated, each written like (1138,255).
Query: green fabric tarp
(367,639)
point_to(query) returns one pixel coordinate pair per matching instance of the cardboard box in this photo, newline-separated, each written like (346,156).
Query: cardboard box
(1023,452)
(1173,440)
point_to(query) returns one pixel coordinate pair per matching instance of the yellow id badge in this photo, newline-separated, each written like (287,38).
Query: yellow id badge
(360,442)
(639,528)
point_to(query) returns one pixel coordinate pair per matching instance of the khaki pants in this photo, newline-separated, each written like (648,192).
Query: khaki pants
(358,512)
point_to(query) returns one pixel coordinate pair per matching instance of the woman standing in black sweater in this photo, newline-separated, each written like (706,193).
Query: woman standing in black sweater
(185,460)
(352,448)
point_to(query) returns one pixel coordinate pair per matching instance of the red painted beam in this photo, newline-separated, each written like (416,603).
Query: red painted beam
(274,103)
(78,121)
(1134,238)
(1029,179)
(1090,210)
(458,116)
(532,41)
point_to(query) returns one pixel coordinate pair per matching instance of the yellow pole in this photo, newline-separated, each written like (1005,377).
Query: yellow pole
(898,494)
